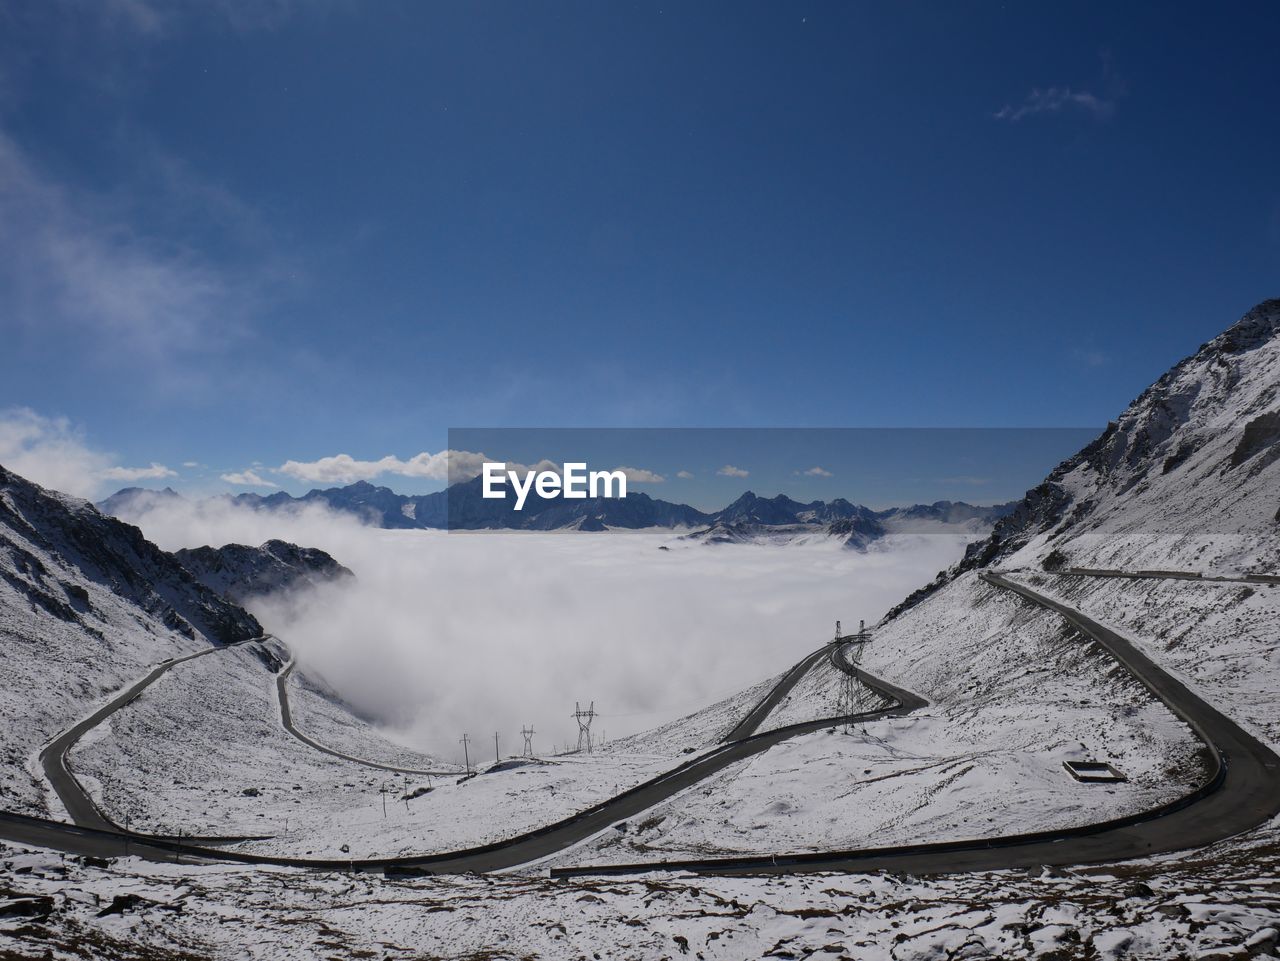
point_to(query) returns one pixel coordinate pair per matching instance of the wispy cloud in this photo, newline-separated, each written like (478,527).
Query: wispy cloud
(154,472)
(1091,358)
(684,475)
(814,472)
(152,19)
(53,452)
(72,261)
(728,470)
(1054,100)
(447,465)
(638,475)
(248,478)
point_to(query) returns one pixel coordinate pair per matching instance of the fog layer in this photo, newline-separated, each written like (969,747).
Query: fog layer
(445,633)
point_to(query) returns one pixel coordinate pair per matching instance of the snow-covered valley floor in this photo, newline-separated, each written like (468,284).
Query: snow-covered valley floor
(1217,904)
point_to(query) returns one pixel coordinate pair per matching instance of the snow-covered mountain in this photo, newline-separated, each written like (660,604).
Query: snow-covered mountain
(749,519)
(1184,478)
(754,519)
(88,605)
(239,572)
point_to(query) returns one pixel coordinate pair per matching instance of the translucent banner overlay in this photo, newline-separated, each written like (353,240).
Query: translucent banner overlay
(697,478)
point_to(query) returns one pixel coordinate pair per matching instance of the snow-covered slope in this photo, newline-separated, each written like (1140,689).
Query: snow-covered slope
(1187,478)
(86,603)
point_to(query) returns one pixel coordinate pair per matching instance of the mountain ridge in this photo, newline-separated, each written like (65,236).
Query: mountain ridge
(1214,412)
(462,507)
(240,573)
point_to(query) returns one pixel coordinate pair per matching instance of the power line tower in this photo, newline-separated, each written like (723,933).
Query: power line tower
(850,685)
(528,740)
(466,740)
(584,719)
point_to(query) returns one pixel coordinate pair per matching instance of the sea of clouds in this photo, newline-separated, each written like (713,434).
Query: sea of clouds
(442,633)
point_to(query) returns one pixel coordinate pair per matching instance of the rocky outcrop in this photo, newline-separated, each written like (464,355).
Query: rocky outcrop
(240,573)
(48,541)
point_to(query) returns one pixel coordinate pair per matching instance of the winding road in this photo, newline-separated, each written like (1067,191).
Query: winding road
(93,839)
(1242,791)
(77,801)
(1159,575)
(286,719)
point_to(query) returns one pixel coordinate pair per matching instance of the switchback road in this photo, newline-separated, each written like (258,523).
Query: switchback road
(1242,792)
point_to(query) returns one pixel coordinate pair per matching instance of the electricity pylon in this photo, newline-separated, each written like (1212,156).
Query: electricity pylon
(584,719)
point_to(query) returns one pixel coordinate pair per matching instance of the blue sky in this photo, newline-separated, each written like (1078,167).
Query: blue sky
(240,234)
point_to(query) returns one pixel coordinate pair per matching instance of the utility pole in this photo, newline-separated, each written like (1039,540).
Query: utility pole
(466,755)
(528,740)
(383,791)
(496,755)
(584,719)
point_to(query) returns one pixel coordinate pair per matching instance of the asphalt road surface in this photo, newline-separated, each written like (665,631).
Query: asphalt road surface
(286,718)
(53,759)
(1242,792)
(111,841)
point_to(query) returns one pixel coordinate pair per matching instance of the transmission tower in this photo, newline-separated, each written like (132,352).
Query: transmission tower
(584,719)
(528,741)
(465,742)
(849,684)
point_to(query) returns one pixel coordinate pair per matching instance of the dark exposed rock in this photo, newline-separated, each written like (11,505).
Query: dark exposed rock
(239,572)
(1261,433)
(110,553)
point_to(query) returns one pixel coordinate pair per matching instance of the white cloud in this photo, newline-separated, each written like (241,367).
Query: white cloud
(248,478)
(814,472)
(154,472)
(638,475)
(684,475)
(442,661)
(451,466)
(190,463)
(1055,100)
(50,452)
(728,470)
